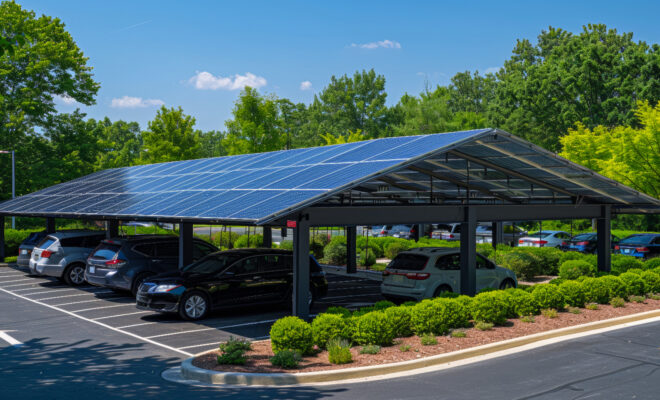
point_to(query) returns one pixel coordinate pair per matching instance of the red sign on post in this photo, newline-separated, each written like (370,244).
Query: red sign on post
(291,224)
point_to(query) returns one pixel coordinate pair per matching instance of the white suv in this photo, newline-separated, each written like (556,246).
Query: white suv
(426,272)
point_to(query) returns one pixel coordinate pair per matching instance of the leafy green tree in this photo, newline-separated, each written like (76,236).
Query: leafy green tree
(350,104)
(170,137)
(627,154)
(254,127)
(292,123)
(471,92)
(211,144)
(594,78)
(119,143)
(356,136)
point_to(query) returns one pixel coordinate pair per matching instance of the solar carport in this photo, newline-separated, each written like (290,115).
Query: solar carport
(467,177)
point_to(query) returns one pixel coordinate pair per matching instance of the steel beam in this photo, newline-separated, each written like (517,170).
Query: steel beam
(604,240)
(351,249)
(268,237)
(301,288)
(111,229)
(469,252)
(498,233)
(2,238)
(185,244)
(50,225)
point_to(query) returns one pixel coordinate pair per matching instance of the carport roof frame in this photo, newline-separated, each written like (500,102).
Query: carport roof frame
(486,168)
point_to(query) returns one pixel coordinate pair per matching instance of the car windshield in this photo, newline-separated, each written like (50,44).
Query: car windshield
(401,228)
(443,228)
(584,236)
(638,239)
(106,251)
(47,241)
(211,264)
(410,262)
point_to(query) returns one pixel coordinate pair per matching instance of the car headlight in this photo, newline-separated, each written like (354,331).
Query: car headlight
(163,288)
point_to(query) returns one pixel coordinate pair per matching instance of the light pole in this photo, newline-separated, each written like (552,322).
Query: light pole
(13,181)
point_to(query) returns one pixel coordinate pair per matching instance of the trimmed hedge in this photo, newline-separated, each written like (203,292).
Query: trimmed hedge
(634,282)
(335,252)
(291,333)
(622,263)
(574,293)
(438,316)
(373,328)
(573,269)
(616,286)
(326,327)
(255,241)
(399,319)
(521,303)
(596,291)
(548,296)
(490,307)
(651,281)
(652,263)
(525,265)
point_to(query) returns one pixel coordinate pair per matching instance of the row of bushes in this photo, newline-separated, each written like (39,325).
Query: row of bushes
(380,324)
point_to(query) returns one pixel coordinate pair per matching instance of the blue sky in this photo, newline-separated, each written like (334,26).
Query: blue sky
(198,54)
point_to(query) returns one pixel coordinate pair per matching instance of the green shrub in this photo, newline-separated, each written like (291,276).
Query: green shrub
(287,359)
(373,328)
(428,340)
(13,239)
(573,269)
(483,326)
(349,327)
(363,310)
(557,281)
(529,319)
(595,291)
(316,248)
(571,255)
(548,258)
(621,263)
(404,348)
(372,244)
(591,306)
(323,238)
(637,299)
(367,258)
(233,351)
(224,239)
(466,301)
(634,283)
(656,270)
(370,349)
(255,241)
(339,351)
(521,303)
(651,281)
(394,248)
(286,245)
(291,333)
(549,312)
(383,304)
(399,320)
(617,302)
(326,327)
(335,253)
(636,271)
(525,265)
(458,333)
(490,307)
(574,293)
(344,312)
(438,316)
(616,286)
(548,296)
(574,310)
(652,263)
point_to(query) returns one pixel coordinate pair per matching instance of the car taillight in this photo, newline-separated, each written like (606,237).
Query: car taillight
(616,247)
(564,243)
(521,241)
(418,276)
(451,236)
(642,249)
(582,243)
(386,273)
(115,263)
(46,254)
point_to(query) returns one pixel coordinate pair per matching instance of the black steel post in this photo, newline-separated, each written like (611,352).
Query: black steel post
(2,239)
(301,291)
(498,233)
(50,225)
(112,228)
(604,240)
(351,250)
(268,237)
(285,231)
(185,243)
(469,252)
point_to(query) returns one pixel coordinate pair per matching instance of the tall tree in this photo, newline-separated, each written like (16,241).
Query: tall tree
(211,144)
(254,127)
(170,137)
(119,143)
(471,92)
(292,124)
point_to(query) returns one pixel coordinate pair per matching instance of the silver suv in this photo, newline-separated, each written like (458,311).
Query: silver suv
(63,255)
(426,272)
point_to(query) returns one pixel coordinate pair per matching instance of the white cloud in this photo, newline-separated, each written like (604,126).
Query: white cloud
(207,81)
(65,100)
(135,102)
(305,85)
(385,44)
(492,70)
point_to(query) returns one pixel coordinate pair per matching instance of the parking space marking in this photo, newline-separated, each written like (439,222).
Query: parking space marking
(73,295)
(214,328)
(134,325)
(185,353)
(199,345)
(17,280)
(19,284)
(12,342)
(46,291)
(102,307)
(76,302)
(121,315)
(37,287)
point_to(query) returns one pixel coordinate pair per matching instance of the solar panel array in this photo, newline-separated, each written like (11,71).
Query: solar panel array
(249,187)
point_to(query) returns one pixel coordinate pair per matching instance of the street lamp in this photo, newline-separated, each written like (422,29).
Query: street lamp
(13,181)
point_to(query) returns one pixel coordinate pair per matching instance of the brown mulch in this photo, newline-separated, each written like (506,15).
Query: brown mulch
(258,357)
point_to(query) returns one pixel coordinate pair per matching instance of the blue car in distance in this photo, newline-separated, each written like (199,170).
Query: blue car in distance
(586,243)
(642,245)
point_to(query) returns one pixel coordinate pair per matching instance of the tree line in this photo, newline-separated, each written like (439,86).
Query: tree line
(594,81)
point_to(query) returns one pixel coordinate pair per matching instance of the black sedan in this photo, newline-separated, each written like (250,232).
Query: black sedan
(585,243)
(642,245)
(228,279)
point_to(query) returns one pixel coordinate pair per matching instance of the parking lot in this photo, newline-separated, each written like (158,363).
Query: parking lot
(116,311)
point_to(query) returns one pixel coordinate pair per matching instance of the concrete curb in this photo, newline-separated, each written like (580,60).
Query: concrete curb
(190,372)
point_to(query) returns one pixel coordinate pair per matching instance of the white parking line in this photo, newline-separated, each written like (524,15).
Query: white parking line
(214,328)
(46,291)
(185,353)
(200,345)
(17,280)
(12,342)
(134,325)
(99,308)
(77,302)
(73,295)
(38,287)
(10,274)
(121,315)
(20,284)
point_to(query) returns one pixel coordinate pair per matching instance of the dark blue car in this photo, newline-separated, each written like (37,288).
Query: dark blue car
(642,245)
(585,243)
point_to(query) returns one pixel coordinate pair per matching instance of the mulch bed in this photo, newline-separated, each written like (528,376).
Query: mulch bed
(258,357)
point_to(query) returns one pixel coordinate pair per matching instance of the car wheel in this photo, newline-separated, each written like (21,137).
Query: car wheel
(442,289)
(193,306)
(507,283)
(74,274)
(137,282)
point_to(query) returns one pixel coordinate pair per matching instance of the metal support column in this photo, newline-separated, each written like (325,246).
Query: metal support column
(2,239)
(185,243)
(50,225)
(604,240)
(268,237)
(111,228)
(351,250)
(498,233)
(301,293)
(469,252)
(285,231)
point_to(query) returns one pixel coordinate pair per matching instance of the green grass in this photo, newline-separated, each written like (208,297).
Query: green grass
(11,259)
(378,267)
